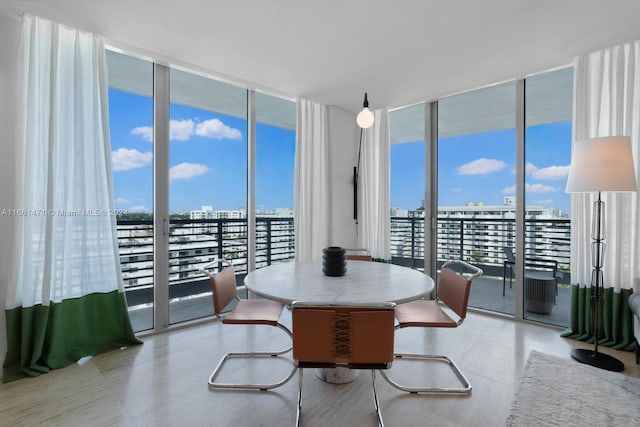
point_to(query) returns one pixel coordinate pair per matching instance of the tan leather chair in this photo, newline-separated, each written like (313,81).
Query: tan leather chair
(352,336)
(453,292)
(246,312)
(358,255)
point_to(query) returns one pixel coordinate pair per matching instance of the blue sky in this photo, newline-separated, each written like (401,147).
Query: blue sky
(481,168)
(207,158)
(208,151)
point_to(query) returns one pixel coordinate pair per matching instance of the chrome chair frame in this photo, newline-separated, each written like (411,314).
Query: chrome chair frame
(338,362)
(466,385)
(240,355)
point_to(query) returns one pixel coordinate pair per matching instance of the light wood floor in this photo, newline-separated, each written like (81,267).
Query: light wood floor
(164,381)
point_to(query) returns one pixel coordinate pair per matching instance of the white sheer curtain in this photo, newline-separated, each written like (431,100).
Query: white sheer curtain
(311,183)
(66,297)
(607,102)
(68,239)
(373,192)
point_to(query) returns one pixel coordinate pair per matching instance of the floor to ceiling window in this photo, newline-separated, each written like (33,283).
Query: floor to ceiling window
(131,120)
(206,184)
(477,198)
(275,151)
(548,111)
(476,187)
(407,186)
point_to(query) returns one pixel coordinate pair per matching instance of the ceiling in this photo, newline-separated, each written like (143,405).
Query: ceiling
(332,51)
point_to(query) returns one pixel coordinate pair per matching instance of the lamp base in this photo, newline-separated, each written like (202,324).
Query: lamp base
(597,359)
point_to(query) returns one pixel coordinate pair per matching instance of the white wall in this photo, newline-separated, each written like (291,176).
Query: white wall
(343,148)
(9,32)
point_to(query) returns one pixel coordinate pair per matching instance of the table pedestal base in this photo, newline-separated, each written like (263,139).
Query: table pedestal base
(337,375)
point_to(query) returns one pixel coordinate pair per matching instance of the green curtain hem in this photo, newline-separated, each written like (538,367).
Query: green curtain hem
(615,319)
(41,338)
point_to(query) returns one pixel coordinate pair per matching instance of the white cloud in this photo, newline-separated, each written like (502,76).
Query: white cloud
(539,188)
(180,130)
(552,172)
(126,159)
(481,167)
(531,188)
(529,169)
(456,190)
(138,209)
(187,170)
(215,129)
(122,200)
(146,132)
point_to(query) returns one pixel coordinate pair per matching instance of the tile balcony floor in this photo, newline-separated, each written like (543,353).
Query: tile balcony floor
(486,293)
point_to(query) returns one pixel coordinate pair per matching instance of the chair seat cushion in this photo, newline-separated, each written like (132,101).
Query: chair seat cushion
(423,313)
(255,312)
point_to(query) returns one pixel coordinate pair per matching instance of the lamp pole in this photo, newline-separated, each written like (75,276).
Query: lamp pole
(597,165)
(594,357)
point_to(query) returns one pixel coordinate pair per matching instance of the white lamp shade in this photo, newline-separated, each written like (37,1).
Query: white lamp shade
(365,118)
(602,164)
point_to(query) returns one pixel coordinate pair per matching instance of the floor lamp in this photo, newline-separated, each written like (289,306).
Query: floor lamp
(600,165)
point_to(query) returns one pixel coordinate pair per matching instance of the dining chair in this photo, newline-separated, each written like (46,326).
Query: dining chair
(353,336)
(245,312)
(359,254)
(453,294)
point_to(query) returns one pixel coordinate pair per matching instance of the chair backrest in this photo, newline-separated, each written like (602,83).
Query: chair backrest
(454,290)
(358,255)
(508,253)
(355,336)
(223,288)
(550,265)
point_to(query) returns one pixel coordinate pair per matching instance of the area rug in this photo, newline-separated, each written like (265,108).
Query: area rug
(562,392)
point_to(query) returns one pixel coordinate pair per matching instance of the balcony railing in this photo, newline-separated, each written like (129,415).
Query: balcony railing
(193,243)
(480,241)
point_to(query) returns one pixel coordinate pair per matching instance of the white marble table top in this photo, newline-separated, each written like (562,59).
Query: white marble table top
(363,282)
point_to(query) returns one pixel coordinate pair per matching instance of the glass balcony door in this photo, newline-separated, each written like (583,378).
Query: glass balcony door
(274,161)
(207,187)
(131,129)
(476,188)
(407,185)
(548,115)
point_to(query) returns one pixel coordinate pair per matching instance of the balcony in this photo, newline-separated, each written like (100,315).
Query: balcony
(193,243)
(479,241)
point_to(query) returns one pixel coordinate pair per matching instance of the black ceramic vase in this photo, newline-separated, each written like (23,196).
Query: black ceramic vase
(334,261)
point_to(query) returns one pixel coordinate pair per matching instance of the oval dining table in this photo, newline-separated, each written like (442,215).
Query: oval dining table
(363,282)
